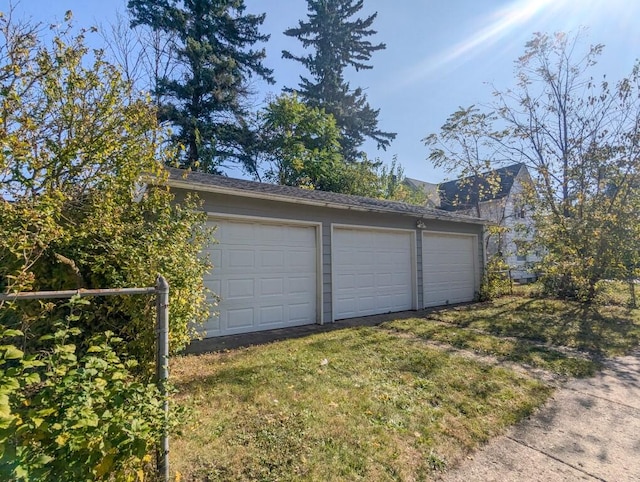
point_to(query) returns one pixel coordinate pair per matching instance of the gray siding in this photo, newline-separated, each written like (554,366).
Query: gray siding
(326,271)
(223,204)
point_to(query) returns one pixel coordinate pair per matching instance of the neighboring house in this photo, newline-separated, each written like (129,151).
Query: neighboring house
(497,196)
(430,190)
(286,256)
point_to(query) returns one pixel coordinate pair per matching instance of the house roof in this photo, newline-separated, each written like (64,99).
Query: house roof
(430,189)
(418,184)
(198,181)
(468,192)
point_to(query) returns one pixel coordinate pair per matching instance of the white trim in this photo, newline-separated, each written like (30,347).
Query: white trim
(476,271)
(268,220)
(211,216)
(413,254)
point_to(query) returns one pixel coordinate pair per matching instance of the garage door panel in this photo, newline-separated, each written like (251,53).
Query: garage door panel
(240,259)
(271,234)
(272,287)
(400,300)
(301,237)
(215,257)
(385,280)
(300,259)
(213,323)
(347,307)
(373,271)
(365,282)
(298,285)
(271,258)
(215,286)
(271,314)
(387,300)
(237,233)
(299,312)
(345,282)
(239,289)
(239,317)
(265,275)
(449,268)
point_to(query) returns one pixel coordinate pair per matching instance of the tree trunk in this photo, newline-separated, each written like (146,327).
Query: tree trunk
(632,292)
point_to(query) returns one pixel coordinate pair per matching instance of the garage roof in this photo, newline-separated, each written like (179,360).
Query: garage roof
(199,181)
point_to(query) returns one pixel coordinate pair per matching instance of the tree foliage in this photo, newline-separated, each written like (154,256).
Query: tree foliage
(580,139)
(339,40)
(464,147)
(76,400)
(302,146)
(72,209)
(204,96)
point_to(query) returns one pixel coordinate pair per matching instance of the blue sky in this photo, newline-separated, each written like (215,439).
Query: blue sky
(441,54)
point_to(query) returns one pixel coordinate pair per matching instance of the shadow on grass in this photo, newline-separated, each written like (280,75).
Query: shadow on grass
(512,349)
(600,331)
(293,358)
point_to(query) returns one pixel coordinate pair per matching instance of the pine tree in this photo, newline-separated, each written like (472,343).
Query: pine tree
(203,99)
(339,41)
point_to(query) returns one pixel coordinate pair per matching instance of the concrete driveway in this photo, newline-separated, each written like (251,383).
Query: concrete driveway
(589,430)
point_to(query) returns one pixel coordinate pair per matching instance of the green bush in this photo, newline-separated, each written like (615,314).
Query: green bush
(77,148)
(66,417)
(496,281)
(78,211)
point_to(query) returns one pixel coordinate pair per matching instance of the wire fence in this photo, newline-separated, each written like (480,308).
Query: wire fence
(161,291)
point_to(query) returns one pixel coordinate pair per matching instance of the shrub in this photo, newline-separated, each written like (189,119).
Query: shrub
(496,281)
(66,417)
(73,211)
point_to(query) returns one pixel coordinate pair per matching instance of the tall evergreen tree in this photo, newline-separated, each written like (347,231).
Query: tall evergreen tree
(204,98)
(339,40)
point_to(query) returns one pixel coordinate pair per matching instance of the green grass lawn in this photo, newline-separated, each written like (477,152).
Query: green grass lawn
(383,403)
(507,349)
(596,330)
(354,404)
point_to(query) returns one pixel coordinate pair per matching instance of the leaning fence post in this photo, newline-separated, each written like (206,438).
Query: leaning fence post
(162,369)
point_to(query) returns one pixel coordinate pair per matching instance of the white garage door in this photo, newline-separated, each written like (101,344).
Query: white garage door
(265,275)
(372,272)
(448,268)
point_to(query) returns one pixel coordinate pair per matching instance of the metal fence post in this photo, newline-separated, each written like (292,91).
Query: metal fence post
(162,369)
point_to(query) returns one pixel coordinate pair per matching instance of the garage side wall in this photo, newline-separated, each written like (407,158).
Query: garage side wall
(223,204)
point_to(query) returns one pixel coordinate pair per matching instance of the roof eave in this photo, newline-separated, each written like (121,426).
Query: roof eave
(190,185)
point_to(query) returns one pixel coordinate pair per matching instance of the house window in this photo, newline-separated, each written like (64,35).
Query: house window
(521,250)
(520,212)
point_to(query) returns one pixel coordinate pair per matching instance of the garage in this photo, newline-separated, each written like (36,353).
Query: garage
(372,270)
(265,274)
(448,268)
(288,256)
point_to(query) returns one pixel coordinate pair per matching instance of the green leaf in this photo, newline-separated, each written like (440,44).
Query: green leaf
(42,460)
(11,352)
(36,421)
(89,420)
(45,412)
(105,465)
(11,333)
(32,378)
(9,385)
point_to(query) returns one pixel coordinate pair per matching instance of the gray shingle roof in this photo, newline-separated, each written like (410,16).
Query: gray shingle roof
(199,181)
(464,193)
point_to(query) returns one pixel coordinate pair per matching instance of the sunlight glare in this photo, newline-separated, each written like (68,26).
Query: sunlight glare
(523,17)
(507,20)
